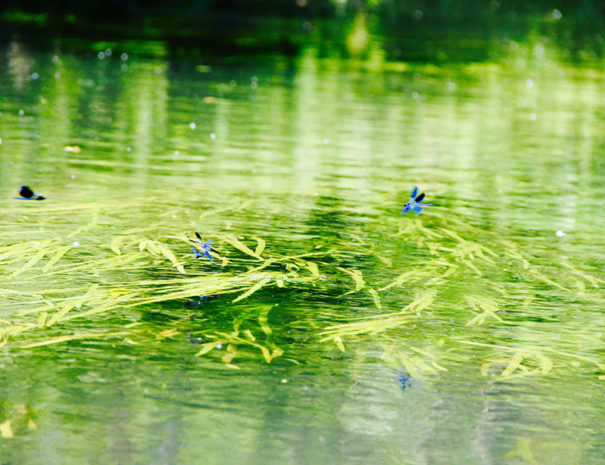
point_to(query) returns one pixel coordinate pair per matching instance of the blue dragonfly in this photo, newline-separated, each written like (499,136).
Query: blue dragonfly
(415,203)
(404,380)
(27,194)
(206,248)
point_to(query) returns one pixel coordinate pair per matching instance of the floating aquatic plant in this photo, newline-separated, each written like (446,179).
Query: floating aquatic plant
(444,287)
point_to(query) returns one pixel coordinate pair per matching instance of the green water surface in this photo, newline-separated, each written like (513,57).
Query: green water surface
(490,302)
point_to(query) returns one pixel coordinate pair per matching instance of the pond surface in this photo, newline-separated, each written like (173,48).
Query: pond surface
(328,328)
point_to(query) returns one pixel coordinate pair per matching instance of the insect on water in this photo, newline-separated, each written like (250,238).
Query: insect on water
(404,380)
(206,248)
(27,194)
(415,203)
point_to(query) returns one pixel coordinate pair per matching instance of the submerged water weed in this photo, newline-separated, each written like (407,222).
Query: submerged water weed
(47,290)
(470,288)
(43,308)
(445,291)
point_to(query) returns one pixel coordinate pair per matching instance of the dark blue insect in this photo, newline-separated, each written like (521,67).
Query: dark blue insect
(403,379)
(415,203)
(27,194)
(206,249)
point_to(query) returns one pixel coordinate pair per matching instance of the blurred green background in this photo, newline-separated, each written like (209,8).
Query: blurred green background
(438,31)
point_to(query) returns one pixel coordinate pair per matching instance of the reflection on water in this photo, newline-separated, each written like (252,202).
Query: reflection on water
(316,156)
